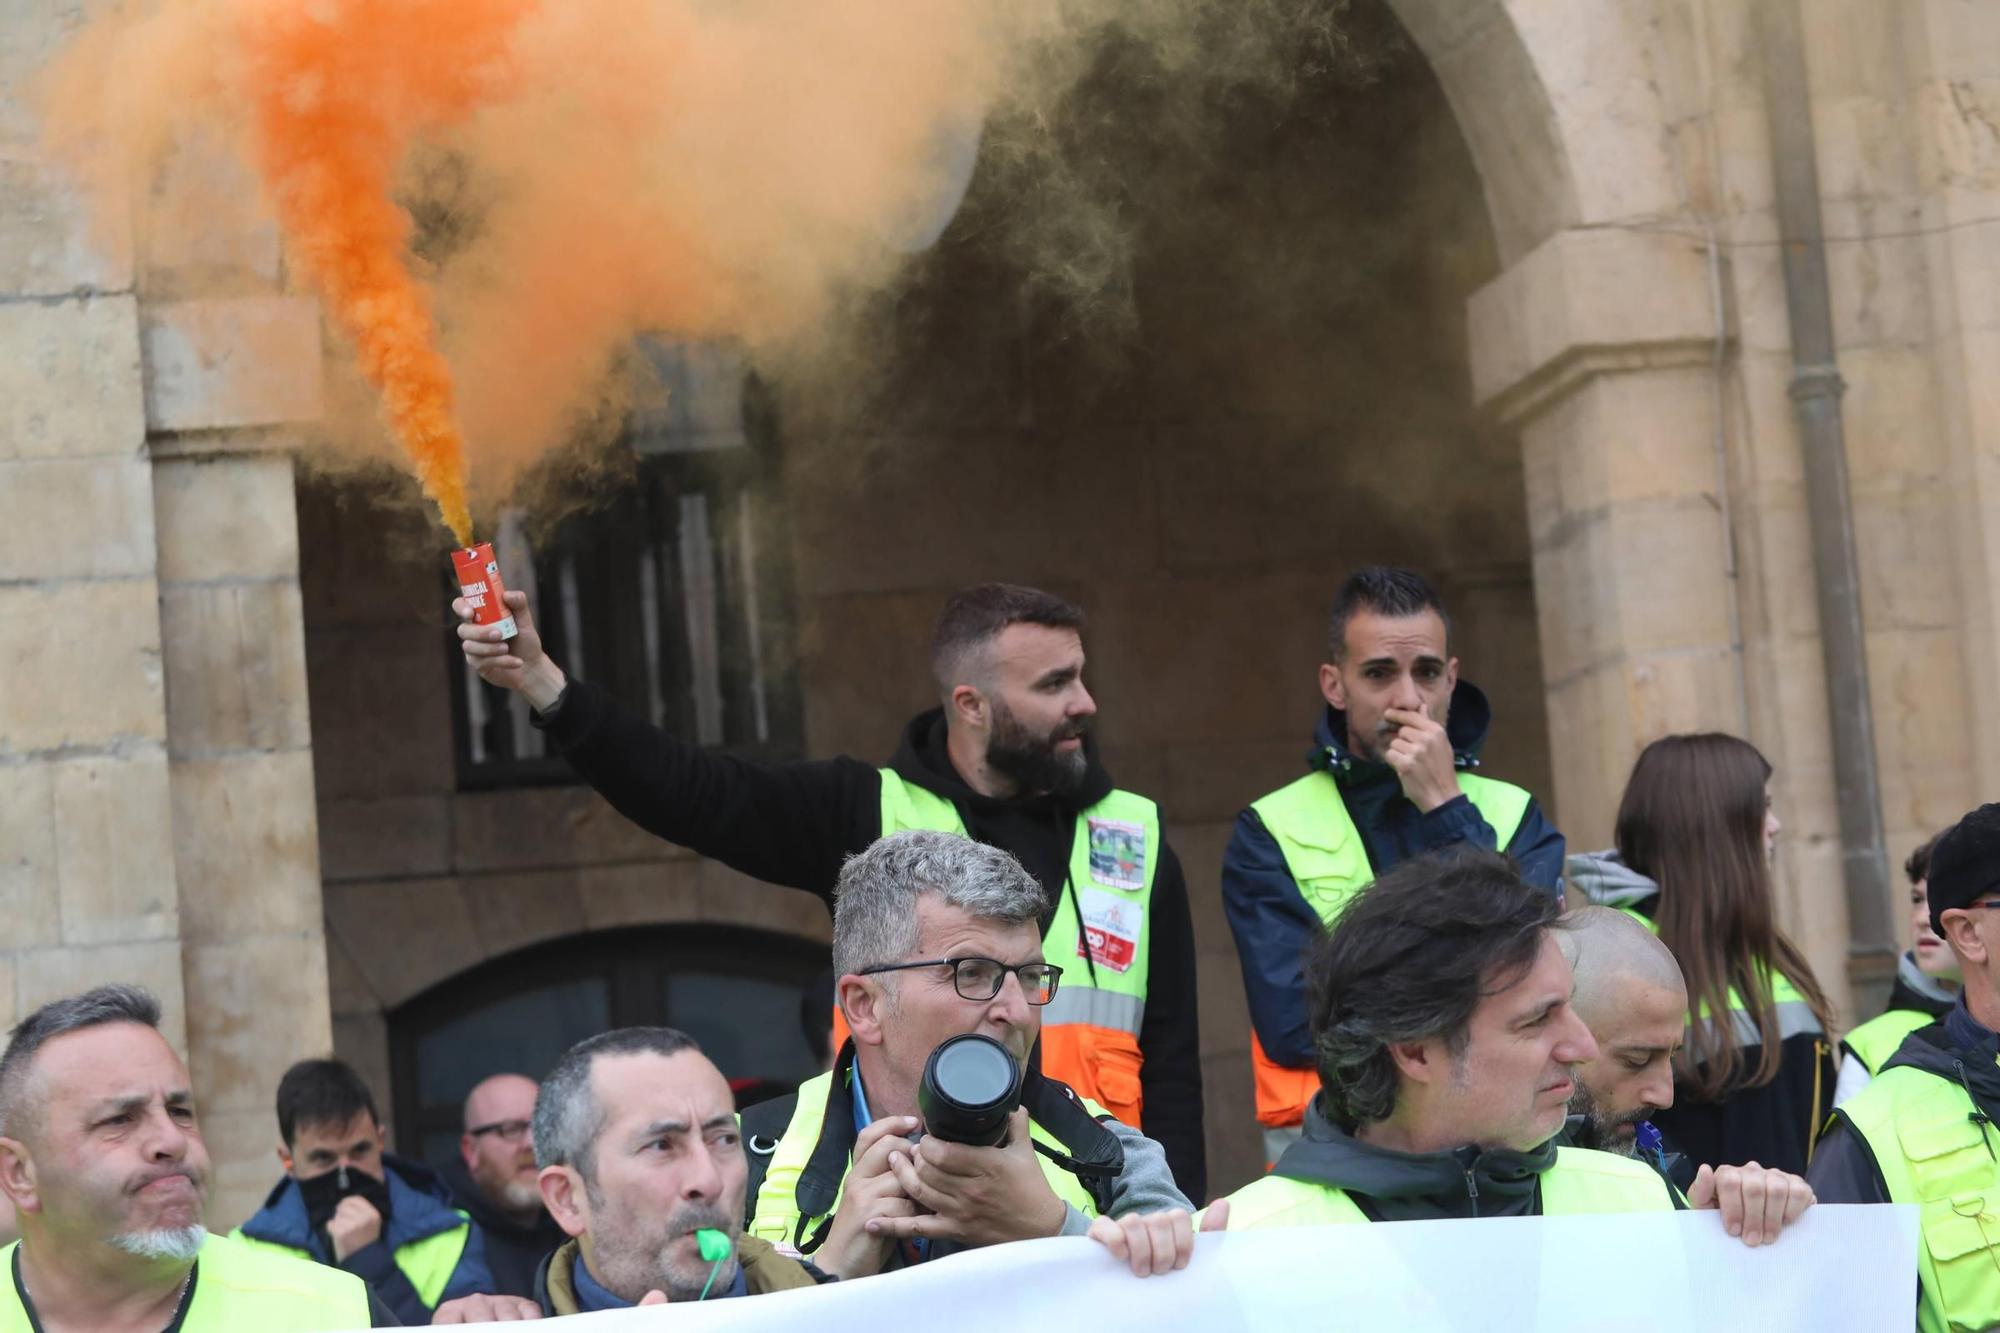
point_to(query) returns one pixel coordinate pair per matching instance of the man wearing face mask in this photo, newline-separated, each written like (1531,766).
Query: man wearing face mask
(1390,777)
(348,1203)
(1008,759)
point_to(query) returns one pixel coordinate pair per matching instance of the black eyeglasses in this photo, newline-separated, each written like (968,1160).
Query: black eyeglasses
(981,978)
(510,1131)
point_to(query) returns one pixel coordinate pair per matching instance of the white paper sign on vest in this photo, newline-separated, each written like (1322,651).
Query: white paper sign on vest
(1838,1268)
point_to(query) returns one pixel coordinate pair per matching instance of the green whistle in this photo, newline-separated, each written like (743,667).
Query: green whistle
(714,1244)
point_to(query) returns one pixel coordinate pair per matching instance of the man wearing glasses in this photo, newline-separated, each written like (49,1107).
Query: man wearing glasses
(935,936)
(1922,1131)
(494,1179)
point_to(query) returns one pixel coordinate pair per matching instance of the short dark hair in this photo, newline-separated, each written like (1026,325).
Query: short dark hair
(117,1003)
(1918,867)
(567,1116)
(1387,590)
(1409,960)
(321,1092)
(974,617)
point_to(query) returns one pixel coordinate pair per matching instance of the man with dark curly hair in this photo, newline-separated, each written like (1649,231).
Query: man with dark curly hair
(1447,1053)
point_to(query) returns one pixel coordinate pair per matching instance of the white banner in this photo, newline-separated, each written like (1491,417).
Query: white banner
(1836,1269)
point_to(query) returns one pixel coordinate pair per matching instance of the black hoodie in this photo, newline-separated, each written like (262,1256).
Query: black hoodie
(794,824)
(514,1253)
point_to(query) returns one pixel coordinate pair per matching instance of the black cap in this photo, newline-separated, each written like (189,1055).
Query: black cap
(1965,864)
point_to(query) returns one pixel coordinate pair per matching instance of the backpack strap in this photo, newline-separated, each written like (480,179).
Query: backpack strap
(763,1125)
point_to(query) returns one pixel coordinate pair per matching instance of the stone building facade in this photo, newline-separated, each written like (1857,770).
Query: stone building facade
(1562,383)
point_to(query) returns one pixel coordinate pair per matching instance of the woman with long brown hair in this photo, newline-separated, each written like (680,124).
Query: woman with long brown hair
(1754,1078)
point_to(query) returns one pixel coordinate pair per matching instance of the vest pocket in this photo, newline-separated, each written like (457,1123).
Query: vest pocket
(1962,1233)
(1948,1159)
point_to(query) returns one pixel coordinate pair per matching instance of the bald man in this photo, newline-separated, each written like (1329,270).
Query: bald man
(494,1179)
(1630,993)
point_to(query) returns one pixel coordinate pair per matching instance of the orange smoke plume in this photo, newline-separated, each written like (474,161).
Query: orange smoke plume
(339,92)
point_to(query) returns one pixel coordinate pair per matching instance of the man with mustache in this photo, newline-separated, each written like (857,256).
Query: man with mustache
(346,1202)
(1389,778)
(103,1159)
(496,1180)
(1007,759)
(639,1148)
(1630,993)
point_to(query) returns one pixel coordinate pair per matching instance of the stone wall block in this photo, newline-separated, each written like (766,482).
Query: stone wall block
(81,663)
(515,911)
(42,975)
(235,667)
(398,836)
(206,230)
(233,518)
(49,245)
(525,828)
(69,378)
(232,362)
(262,1007)
(246,852)
(730,898)
(1669,560)
(641,895)
(1587,289)
(1922,743)
(76,518)
(30,900)
(115,849)
(243,1159)
(404,935)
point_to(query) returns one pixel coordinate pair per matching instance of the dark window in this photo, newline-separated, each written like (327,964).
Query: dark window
(671,588)
(737,992)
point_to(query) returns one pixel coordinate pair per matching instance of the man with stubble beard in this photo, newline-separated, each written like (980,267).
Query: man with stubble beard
(1630,994)
(1007,759)
(103,1159)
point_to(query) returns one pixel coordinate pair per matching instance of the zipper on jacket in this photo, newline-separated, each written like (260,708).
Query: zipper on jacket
(1472,1190)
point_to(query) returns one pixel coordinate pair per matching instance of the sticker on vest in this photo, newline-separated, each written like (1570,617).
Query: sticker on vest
(1111,927)
(1118,853)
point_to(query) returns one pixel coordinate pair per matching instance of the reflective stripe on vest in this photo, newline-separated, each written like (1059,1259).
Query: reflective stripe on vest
(427,1263)
(1876,1040)
(1931,1153)
(1581,1181)
(1328,861)
(242,1287)
(775,1217)
(1090,1031)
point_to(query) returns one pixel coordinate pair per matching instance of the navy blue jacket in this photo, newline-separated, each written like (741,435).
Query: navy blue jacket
(1273,923)
(419,1208)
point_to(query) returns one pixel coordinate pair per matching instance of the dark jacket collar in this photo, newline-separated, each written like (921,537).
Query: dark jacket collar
(1470,719)
(419,1208)
(1396,1186)
(1959,1049)
(466,1194)
(924,759)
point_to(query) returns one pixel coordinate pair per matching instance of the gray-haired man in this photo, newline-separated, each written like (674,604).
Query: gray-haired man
(104,1162)
(935,936)
(635,1130)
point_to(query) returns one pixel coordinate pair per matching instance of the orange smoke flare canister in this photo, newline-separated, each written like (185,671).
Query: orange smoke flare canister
(479,583)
